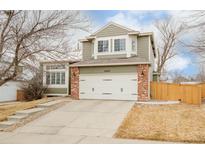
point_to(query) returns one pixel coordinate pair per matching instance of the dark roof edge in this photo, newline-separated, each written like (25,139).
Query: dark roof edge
(59,61)
(109,64)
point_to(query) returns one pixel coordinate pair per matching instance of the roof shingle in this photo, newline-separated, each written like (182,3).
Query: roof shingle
(111,62)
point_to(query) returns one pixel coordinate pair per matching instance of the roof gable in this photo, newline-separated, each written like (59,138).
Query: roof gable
(112,29)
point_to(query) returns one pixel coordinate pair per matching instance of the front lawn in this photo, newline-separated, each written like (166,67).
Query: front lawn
(178,122)
(9,109)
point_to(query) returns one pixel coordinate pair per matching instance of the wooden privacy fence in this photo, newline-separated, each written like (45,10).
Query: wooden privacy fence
(187,93)
(203,90)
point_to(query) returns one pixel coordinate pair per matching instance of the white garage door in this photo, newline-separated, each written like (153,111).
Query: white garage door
(108,86)
(8,91)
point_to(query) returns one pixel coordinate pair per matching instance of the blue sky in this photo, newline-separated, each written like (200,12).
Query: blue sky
(144,21)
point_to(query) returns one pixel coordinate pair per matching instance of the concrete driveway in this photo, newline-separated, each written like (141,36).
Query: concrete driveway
(82,121)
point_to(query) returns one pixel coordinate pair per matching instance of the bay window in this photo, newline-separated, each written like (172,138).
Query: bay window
(124,45)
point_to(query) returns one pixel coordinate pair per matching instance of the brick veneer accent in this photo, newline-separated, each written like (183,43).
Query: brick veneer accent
(75,82)
(143,73)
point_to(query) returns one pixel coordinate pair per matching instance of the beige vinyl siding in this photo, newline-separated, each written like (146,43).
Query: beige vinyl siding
(56,91)
(143,47)
(108,69)
(88,49)
(112,30)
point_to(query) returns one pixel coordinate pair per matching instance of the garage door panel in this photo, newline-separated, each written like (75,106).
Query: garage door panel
(109,89)
(108,86)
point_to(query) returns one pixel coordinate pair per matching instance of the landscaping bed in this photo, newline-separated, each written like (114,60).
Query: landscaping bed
(9,109)
(177,122)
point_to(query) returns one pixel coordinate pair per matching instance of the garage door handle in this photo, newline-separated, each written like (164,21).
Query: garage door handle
(107,79)
(107,93)
(121,89)
(93,89)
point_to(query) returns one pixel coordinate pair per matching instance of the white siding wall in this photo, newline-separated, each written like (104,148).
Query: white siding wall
(8,91)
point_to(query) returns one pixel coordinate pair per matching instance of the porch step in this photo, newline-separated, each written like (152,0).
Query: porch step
(49,104)
(17,117)
(29,111)
(6,124)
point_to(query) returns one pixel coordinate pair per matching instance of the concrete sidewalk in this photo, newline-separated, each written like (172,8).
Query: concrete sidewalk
(82,121)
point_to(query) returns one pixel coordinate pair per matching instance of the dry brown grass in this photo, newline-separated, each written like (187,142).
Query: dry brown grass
(10,109)
(179,122)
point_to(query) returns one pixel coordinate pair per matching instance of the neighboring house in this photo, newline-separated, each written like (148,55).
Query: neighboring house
(8,91)
(56,76)
(117,65)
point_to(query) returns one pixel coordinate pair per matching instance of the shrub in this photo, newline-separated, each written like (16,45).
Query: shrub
(34,88)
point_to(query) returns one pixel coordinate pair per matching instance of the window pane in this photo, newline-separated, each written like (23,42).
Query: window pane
(58,78)
(103,46)
(62,77)
(47,78)
(133,45)
(59,66)
(52,78)
(119,44)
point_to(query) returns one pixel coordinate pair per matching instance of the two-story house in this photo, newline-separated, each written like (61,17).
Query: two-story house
(117,64)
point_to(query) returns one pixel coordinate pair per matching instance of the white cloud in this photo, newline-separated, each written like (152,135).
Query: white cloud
(132,20)
(135,20)
(125,19)
(178,63)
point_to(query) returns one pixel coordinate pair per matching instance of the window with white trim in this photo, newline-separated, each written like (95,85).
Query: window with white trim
(119,44)
(62,77)
(53,67)
(133,45)
(103,46)
(58,77)
(55,78)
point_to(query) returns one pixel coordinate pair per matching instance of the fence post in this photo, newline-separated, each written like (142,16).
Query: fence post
(200,94)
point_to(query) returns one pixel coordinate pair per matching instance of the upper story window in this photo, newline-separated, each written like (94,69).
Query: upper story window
(103,46)
(119,44)
(133,45)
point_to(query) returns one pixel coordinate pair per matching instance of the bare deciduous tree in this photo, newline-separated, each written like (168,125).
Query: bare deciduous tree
(169,34)
(201,74)
(195,21)
(178,77)
(26,36)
